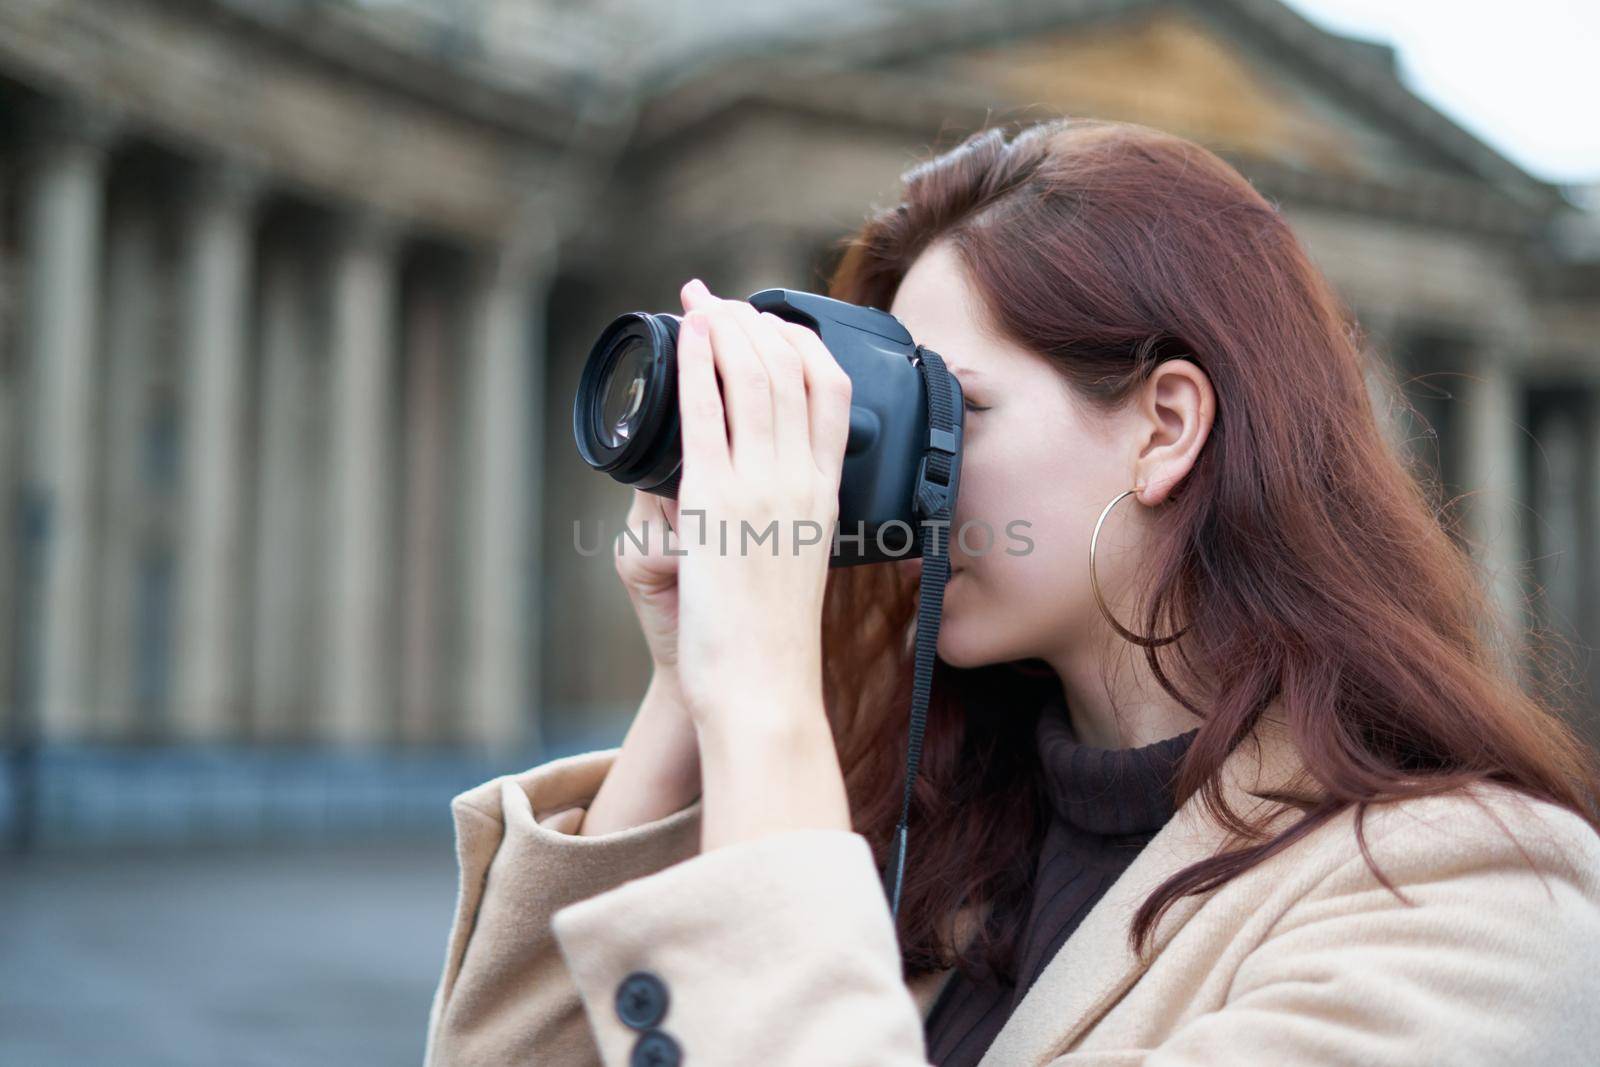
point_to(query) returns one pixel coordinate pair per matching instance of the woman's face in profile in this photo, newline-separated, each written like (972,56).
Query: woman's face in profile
(1036,472)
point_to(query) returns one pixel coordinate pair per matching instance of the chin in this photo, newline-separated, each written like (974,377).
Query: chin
(956,649)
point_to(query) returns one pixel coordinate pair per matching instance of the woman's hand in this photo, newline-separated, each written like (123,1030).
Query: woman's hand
(751,496)
(657,771)
(758,498)
(650,574)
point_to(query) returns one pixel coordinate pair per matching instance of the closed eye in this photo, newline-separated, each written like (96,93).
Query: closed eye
(970,406)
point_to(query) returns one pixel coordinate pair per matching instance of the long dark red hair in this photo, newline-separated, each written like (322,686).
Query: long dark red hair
(1303,554)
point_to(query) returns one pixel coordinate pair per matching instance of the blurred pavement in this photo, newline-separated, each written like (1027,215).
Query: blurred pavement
(294,955)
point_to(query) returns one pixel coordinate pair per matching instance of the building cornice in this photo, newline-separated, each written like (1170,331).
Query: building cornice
(912,109)
(863,78)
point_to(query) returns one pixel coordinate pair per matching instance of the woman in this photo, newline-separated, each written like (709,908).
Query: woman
(1243,785)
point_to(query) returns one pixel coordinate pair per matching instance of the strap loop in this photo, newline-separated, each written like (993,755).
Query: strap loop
(934,503)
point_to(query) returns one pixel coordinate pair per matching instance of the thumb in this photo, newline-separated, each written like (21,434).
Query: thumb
(659,511)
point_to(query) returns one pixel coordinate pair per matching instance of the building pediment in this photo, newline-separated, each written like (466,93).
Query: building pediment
(1176,69)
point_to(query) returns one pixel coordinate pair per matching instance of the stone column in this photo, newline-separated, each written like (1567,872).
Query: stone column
(1558,488)
(428,606)
(213,314)
(11,438)
(286,635)
(505,458)
(1491,401)
(131,314)
(61,219)
(357,667)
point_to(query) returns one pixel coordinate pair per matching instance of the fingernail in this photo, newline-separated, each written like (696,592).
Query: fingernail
(697,323)
(698,287)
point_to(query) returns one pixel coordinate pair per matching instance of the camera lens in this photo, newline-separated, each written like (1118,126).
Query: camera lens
(627,382)
(625,416)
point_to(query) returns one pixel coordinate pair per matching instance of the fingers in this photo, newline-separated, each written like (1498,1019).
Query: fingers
(786,370)
(746,388)
(659,511)
(702,425)
(795,375)
(829,390)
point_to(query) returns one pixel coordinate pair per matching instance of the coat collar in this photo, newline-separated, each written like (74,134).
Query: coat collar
(1096,965)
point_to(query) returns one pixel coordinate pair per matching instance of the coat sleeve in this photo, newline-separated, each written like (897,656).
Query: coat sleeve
(1495,964)
(504,995)
(778,951)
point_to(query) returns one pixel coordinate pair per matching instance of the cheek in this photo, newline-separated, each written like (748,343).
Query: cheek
(1023,577)
(1013,495)
(1023,521)
(1007,607)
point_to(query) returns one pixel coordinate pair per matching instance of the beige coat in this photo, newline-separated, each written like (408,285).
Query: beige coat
(781,951)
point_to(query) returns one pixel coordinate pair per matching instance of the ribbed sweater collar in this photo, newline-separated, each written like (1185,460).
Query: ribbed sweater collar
(1107,790)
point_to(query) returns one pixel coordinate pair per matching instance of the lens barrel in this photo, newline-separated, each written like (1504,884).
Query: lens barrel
(625,415)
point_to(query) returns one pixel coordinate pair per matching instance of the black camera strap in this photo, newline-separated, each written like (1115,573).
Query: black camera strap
(932,504)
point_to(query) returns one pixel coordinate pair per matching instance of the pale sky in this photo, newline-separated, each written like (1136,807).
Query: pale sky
(1524,77)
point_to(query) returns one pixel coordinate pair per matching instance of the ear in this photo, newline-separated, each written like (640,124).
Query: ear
(1178,407)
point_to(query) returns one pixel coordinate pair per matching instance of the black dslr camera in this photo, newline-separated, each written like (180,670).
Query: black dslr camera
(902,464)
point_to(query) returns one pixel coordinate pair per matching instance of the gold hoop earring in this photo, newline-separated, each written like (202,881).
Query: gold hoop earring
(1094,582)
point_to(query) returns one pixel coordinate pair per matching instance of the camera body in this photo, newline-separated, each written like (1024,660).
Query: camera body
(902,461)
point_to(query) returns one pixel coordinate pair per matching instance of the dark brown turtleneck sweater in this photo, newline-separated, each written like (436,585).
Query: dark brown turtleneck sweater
(1106,805)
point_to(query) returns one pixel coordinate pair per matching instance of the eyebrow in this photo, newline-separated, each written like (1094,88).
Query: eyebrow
(964,373)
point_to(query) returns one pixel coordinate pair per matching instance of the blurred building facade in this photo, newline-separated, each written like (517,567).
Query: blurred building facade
(294,297)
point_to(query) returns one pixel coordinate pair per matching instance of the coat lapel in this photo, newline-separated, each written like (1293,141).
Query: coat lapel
(1096,964)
